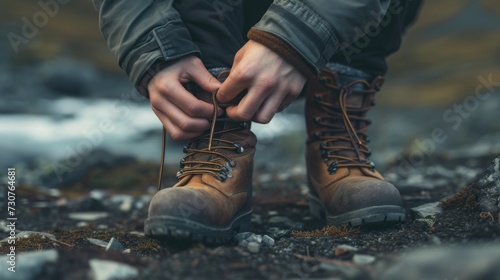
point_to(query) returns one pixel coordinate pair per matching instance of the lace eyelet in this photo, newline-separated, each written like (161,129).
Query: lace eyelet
(372,166)
(181,162)
(184,149)
(239,149)
(332,168)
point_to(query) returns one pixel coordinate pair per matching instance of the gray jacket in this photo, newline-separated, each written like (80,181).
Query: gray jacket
(145,33)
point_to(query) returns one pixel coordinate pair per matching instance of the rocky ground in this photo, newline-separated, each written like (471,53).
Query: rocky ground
(75,234)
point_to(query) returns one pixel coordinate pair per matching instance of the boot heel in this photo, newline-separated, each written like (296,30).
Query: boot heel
(316,209)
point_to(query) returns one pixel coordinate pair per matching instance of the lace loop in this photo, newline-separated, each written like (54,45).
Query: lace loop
(335,132)
(216,163)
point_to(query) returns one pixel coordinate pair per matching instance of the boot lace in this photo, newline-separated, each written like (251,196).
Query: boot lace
(337,133)
(217,164)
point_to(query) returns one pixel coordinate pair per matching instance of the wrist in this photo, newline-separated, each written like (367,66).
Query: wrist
(283,49)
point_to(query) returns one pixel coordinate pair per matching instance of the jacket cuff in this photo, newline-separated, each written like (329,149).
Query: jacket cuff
(282,48)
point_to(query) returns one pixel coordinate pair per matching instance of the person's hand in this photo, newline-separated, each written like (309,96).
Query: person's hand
(181,113)
(272,84)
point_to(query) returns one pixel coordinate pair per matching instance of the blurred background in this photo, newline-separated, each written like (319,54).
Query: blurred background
(69,116)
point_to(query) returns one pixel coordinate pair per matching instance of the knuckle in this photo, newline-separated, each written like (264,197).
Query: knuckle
(193,109)
(176,134)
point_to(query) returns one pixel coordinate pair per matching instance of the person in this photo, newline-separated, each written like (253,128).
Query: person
(210,68)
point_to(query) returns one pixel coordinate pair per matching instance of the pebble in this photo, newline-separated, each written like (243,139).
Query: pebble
(243,243)
(107,270)
(114,244)
(266,239)
(427,210)
(280,220)
(88,216)
(98,242)
(243,236)
(28,265)
(82,224)
(126,251)
(363,259)
(344,249)
(272,213)
(253,247)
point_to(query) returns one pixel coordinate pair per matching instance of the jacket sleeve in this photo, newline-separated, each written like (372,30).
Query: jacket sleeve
(143,35)
(318,29)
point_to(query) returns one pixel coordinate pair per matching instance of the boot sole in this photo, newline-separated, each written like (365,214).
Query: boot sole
(167,227)
(383,214)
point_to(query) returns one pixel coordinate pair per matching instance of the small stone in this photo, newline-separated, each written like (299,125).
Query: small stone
(138,233)
(88,216)
(126,251)
(363,259)
(82,224)
(101,226)
(253,247)
(427,210)
(266,239)
(98,194)
(254,238)
(344,249)
(272,213)
(97,242)
(243,243)
(114,244)
(107,270)
(243,236)
(280,220)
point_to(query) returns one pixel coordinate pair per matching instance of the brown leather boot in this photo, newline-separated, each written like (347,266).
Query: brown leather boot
(211,201)
(344,186)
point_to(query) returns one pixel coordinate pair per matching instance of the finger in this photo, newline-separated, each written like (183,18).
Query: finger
(204,79)
(269,108)
(249,105)
(186,101)
(231,87)
(179,118)
(174,131)
(286,102)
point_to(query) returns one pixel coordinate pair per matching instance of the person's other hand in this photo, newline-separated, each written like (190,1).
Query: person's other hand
(181,113)
(272,84)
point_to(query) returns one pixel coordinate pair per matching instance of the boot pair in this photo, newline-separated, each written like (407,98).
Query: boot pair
(212,199)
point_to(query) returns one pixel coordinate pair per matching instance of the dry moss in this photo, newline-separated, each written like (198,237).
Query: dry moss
(466,198)
(344,231)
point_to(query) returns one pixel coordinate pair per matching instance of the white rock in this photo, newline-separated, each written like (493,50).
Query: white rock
(107,270)
(98,242)
(363,259)
(266,239)
(427,210)
(343,249)
(114,244)
(88,216)
(253,247)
